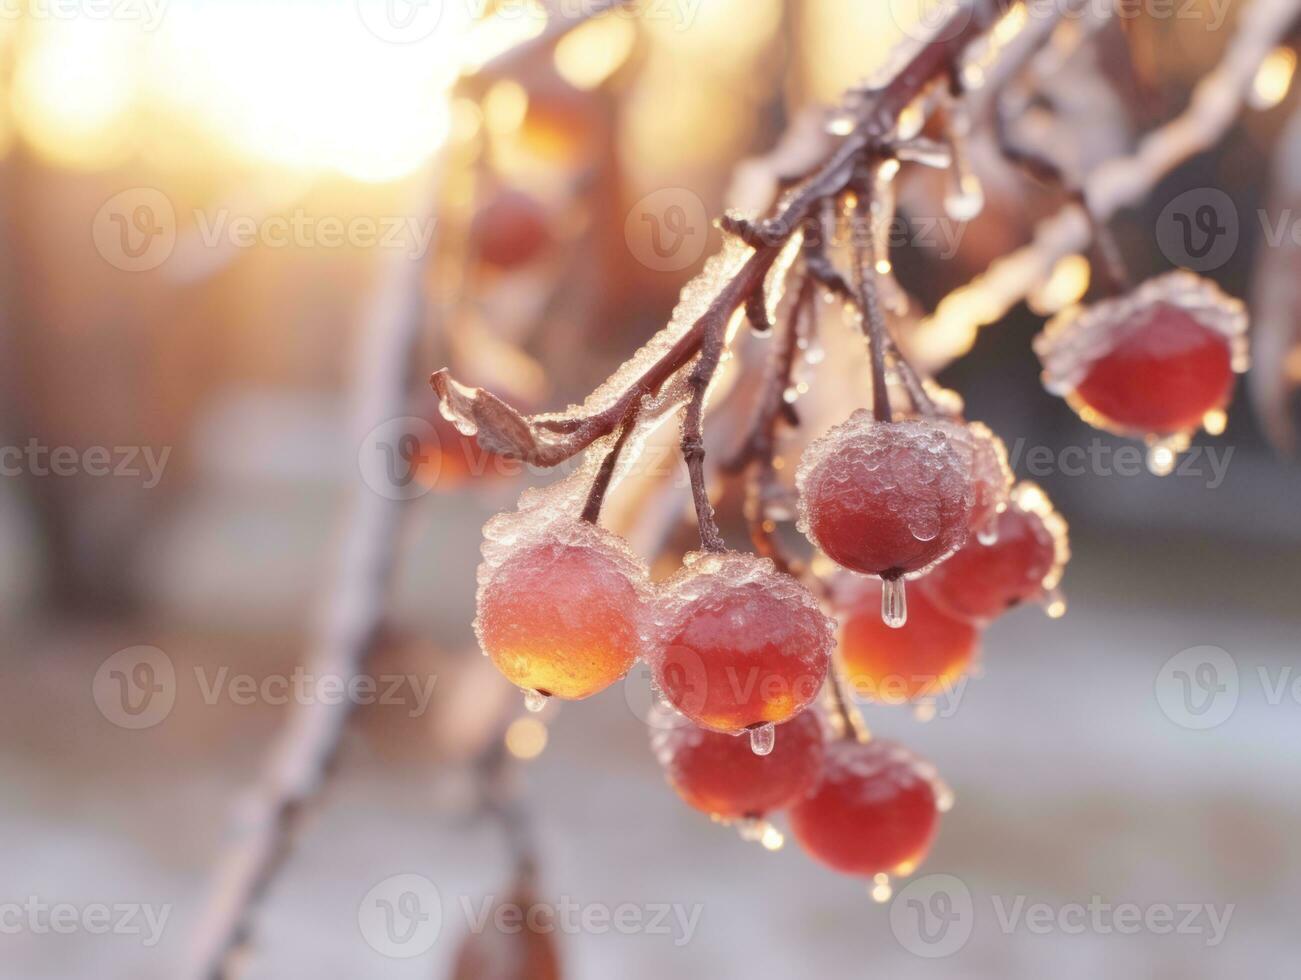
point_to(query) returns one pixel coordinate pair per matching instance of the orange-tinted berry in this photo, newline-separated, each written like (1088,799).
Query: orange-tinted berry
(562,613)
(722,776)
(896,665)
(874,811)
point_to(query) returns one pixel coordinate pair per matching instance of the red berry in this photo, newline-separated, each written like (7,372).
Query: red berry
(510,230)
(739,644)
(560,613)
(887,498)
(874,812)
(897,665)
(1025,562)
(720,775)
(1154,362)
(991,477)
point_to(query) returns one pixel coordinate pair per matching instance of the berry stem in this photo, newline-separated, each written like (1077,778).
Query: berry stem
(759,448)
(693,439)
(848,719)
(869,306)
(1108,260)
(601,484)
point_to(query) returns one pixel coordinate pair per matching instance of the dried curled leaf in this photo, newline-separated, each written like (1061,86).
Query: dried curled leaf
(476,412)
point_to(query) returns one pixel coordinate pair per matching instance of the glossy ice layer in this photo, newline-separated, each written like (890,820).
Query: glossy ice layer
(737,643)
(888,498)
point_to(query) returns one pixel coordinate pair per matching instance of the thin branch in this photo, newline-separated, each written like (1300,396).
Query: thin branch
(601,484)
(308,747)
(869,306)
(1122,182)
(533,440)
(693,438)
(1109,260)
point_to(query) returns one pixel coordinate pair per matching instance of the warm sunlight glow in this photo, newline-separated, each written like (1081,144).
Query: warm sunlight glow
(589,55)
(1273,79)
(74,88)
(320,87)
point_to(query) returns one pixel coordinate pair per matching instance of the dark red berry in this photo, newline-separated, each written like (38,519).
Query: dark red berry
(1024,562)
(739,644)
(874,812)
(720,774)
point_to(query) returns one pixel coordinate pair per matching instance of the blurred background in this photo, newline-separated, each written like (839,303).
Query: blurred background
(210,210)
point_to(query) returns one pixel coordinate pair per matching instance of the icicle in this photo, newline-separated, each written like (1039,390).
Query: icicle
(763,738)
(943,795)
(535,701)
(772,839)
(880,889)
(893,297)
(987,533)
(894,603)
(929,154)
(965,198)
(1162,456)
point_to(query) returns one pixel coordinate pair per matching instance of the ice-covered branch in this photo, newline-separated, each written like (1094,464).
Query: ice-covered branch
(1215,104)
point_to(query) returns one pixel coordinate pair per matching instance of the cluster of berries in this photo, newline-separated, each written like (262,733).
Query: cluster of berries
(737,647)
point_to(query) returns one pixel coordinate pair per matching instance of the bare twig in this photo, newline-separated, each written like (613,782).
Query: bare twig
(1122,182)
(601,483)
(307,748)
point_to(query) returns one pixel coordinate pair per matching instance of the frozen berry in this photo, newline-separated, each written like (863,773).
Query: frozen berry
(897,665)
(561,612)
(874,812)
(887,498)
(1024,562)
(1151,363)
(510,230)
(991,478)
(720,775)
(739,645)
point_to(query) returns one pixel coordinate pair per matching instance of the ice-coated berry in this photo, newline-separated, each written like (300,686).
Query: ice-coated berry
(892,665)
(720,774)
(561,609)
(738,644)
(982,581)
(874,812)
(887,498)
(991,477)
(1151,363)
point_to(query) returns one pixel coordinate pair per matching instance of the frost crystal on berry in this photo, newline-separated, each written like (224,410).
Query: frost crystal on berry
(1152,363)
(561,605)
(888,498)
(739,644)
